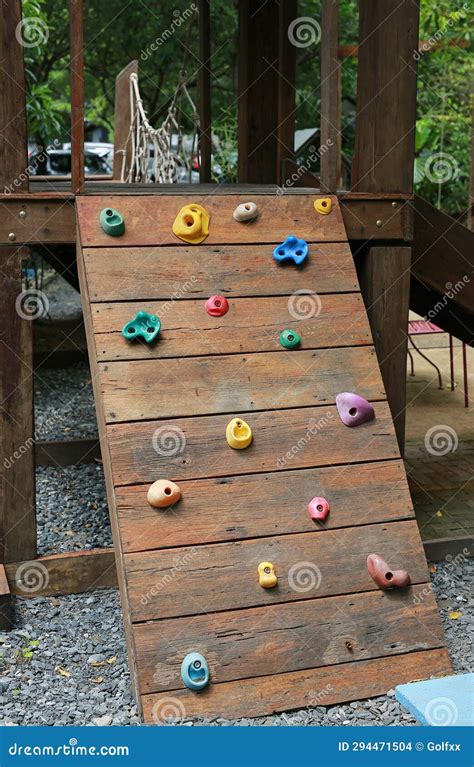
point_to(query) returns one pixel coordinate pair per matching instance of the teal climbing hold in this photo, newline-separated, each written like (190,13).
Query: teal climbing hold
(143,325)
(292,249)
(112,222)
(290,339)
(195,671)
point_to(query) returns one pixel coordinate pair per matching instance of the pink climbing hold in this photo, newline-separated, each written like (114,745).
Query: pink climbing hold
(318,509)
(354,409)
(385,578)
(217,306)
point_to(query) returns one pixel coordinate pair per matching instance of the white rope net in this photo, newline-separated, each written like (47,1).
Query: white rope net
(158,155)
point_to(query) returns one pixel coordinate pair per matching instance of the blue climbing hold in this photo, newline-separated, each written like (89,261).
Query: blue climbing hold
(195,671)
(292,249)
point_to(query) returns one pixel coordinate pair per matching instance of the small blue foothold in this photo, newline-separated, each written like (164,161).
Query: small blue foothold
(292,249)
(195,671)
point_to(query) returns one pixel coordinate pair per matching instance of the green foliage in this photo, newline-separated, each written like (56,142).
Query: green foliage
(157,33)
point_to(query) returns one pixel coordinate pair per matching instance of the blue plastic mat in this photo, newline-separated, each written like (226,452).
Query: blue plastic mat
(448,701)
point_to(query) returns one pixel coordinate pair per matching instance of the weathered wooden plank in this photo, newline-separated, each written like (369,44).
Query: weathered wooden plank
(73,572)
(77,95)
(197,579)
(122,118)
(5,602)
(149,389)
(176,273)
(204,88)
(330,161)
(290,637)
(188,448)
(66,452)
(250,325)
(37,221)
(17,481)
(358,495)
(288,12)
(148,220)
(385,281)
(282,692)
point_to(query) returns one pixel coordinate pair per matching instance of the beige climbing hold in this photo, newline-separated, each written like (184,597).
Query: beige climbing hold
(163,493)
(247,211)
(323,205)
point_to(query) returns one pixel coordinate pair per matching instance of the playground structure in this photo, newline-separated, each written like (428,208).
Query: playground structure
(398,243)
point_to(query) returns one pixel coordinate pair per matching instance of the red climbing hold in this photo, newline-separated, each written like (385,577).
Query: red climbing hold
(217,306)
(318,509)
(385,578)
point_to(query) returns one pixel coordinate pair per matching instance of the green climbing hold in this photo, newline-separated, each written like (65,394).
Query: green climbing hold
(143,325)
(112,222)
(289,339)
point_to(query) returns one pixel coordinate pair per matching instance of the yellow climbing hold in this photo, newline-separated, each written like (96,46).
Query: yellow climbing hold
(455,614)
(238,434)
(266,575)
(192,224)
(323,205)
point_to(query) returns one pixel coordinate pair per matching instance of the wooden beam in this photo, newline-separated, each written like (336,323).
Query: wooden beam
(73,572)
(258,91)
(386,96)
(67,452)
(204,89)
(5,602)
(438,549)
(77,95)
(122,118)
(330,172)
(13,131)
(384,275)
(17,490)
(286,89)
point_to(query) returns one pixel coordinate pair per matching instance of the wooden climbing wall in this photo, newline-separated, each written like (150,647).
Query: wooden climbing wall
(188,575)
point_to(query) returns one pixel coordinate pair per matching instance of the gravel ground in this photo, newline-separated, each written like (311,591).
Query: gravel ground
(65,662)
(64,403)
(72,508)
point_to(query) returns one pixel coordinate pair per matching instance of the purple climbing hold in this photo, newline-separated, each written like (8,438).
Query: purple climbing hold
(354,409)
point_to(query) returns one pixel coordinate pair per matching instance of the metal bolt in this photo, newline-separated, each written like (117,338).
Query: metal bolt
(394,204)
(22,214)
(12,236)
(379,222)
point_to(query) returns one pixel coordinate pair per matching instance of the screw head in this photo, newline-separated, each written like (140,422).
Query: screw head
(394,204)
(379,222)
(22,214)
(12,236)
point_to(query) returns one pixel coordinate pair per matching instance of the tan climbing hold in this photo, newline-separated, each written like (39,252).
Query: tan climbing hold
(163,493)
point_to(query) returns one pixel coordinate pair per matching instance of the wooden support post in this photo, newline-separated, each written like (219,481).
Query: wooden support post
(383,162)
(122,120)
(330,173)
(258,91)
(5,602)
(286,89)
(77,95)
(204,88)
(17,511)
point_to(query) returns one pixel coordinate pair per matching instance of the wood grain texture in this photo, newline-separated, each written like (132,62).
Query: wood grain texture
(256,505)
(13,133)
(149,389)
(330,161)
(148,220)
(290,637)
(182,272)
(196,447)
(205,579)
(250,325)
(297,689)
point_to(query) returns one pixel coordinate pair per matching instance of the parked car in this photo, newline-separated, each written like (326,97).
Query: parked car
(57,162)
